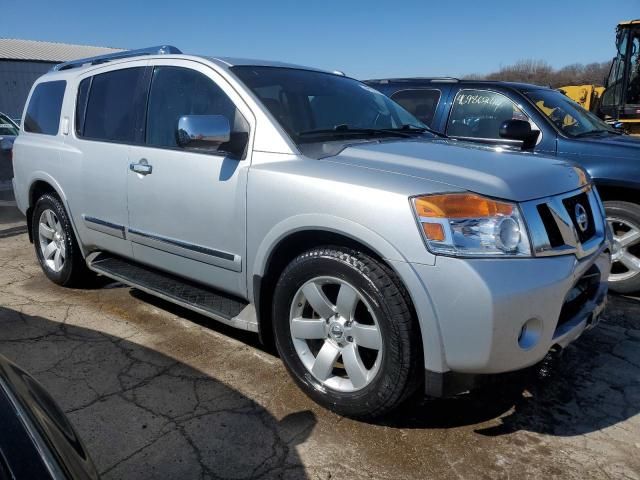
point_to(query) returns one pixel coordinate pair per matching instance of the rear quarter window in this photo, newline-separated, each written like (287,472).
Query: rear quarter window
(421,102)
(43,112)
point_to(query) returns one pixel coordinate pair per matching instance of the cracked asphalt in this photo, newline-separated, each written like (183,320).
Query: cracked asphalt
(159,392)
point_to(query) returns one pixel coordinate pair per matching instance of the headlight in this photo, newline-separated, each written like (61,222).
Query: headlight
(466,224)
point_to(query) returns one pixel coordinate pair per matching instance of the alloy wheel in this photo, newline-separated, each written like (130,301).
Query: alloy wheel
(626,249)
(336,334)
(52,240)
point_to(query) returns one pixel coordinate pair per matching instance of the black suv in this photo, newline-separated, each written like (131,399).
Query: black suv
(540,119)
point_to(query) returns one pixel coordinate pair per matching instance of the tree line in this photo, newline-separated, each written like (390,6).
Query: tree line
(540,72)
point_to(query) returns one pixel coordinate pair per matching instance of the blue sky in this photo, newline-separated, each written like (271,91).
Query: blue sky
(365,39)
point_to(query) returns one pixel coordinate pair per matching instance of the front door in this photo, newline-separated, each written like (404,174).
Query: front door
(186,209)
(477,114)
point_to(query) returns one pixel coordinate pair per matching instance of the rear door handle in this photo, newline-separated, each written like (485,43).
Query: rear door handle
(143,168)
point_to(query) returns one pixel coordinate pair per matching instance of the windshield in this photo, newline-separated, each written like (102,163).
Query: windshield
(567,115)
(315,106)
(7,127)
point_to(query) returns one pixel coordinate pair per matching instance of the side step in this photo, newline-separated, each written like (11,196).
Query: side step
(211,303)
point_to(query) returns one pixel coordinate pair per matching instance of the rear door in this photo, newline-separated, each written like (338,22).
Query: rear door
(106,121)
(187,212)
(421,102)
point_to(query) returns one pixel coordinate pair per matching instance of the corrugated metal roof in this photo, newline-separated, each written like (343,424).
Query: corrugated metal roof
(15,49)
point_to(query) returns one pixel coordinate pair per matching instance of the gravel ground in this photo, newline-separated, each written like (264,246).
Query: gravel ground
(159,392)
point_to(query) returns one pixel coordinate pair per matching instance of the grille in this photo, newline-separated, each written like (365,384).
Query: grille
(570,204)
(554,229)
(550,225)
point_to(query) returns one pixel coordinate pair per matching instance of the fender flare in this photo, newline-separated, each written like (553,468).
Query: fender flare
(427,319)
(327,223)
(40,176)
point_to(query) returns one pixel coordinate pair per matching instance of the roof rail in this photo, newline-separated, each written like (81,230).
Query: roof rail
(445,79)
(159,50)
(416,79)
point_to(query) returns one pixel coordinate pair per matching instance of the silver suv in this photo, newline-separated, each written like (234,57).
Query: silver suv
(308,207)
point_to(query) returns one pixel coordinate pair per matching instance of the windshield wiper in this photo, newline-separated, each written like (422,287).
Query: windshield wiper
(406,131)
(591,133)
(413,129)
(345,132)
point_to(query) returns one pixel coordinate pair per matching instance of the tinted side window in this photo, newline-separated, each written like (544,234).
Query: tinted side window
(479,114)
(421,102)
(177,91)
(43,112)
(114,105)
(81,104)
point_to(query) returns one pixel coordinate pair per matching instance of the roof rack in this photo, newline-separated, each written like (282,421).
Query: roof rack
(413,79)
(159,50)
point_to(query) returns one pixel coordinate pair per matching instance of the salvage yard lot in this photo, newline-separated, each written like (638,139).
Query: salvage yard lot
(158,392)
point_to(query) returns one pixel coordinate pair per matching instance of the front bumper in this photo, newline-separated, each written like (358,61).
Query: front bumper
(482,305)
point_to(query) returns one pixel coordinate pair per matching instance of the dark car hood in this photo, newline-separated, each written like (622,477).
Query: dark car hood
(43,418)
(613,146)
(485,170)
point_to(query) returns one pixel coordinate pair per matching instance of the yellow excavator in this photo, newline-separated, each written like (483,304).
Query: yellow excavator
(618,102)
(588,96)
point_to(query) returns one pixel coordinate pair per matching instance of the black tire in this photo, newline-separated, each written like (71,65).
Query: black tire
(630,214)
(74,270)
(400,372)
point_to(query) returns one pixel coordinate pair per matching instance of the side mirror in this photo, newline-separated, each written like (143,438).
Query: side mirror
(203,132)
(619,126)
(519,130)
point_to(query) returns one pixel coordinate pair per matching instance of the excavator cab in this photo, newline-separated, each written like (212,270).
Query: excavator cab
(620,102)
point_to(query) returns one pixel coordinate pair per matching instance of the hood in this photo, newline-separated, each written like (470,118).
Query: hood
(458,165)
(611,145)
(40,414)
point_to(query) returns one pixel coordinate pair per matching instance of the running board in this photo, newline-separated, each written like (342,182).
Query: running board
(220,306)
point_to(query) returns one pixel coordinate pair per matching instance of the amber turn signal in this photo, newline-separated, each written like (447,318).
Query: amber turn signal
(433,231)
(459,205)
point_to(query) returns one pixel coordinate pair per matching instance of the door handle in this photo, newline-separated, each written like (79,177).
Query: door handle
(143,168)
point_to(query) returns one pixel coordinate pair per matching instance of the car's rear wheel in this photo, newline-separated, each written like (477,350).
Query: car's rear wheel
(55,243)
(624,220)
(346,332)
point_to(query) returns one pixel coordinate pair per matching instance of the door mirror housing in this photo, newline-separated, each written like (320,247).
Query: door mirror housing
(619,127)
(519,130)
(205,133)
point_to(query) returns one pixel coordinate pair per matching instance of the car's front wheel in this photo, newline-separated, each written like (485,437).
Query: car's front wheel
(624,220)
(345,330)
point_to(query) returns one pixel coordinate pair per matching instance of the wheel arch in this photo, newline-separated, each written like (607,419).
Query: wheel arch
(38,188)
(278,249)
(41,184)
(620,192)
